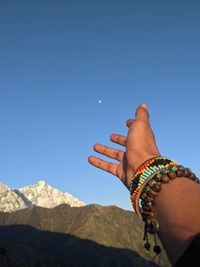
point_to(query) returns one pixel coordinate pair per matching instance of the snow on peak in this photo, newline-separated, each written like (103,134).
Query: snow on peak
(9,200)
(43,195)
(3,186)
(41,182)
(39,194)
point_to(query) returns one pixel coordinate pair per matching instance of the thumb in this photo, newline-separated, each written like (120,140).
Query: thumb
(142,113)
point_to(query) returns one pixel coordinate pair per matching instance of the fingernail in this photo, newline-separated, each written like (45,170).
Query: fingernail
(145,106)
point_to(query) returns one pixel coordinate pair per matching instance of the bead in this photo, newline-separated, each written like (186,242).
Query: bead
(156,188)
(163,171)
(192,176)
(157,177)
(143,195)
(149,204)
(147,189)
(147,199)
(146,208)
(144,175)
(149,171)
(173,168)
(179,173)
(147,246)
(145,216)
(165,178)
(181,167)
(157,249)
(188,169)
(151,223)
(148,221)
(152,193)
(172,175)
(150,214)
(185,173)
(194,179)
(151,183)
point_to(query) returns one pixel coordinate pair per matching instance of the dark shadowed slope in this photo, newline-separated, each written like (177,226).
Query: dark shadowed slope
(109,233)
(26,246)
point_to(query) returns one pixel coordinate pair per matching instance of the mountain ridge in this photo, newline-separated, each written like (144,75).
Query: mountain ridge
(39,194)
(109,228)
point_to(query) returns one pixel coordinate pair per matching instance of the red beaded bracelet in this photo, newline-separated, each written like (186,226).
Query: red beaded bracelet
(143,174)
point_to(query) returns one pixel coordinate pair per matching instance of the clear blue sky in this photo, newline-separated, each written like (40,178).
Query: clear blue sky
(58,58)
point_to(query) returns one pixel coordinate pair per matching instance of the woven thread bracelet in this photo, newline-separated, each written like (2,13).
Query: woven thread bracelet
(142,175)
(147,199)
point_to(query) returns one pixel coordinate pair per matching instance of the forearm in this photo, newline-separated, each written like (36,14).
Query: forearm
(177,209)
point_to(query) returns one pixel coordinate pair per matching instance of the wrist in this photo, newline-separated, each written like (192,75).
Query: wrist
(177,213)
(162,202)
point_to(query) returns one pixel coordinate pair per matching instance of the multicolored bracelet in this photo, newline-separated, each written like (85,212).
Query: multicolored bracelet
(149,185)
(147,199)
(142,176)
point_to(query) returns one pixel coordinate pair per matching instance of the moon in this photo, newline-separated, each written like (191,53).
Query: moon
(100,101)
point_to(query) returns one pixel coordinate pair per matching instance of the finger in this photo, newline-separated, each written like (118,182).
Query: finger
(109,152)
(129,122)
(118,139)
(103,165)
(141,113)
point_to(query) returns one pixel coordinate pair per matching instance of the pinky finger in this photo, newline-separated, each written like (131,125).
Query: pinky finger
(103,165)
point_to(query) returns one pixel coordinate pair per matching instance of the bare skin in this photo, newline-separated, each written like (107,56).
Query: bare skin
(178,221)
(140,146)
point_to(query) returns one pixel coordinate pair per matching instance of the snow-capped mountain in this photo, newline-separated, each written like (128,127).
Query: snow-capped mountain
(44,195)
(9,200)
(40,194)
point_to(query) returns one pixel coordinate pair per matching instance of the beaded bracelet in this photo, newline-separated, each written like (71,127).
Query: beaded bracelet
(150,191)
(143,174)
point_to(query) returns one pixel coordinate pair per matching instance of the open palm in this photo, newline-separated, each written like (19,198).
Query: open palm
(139,143)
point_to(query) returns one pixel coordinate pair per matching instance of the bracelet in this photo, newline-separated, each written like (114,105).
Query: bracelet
(143,174)
(149,190)
(147,199)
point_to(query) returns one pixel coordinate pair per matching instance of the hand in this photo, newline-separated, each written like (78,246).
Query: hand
(140,145)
